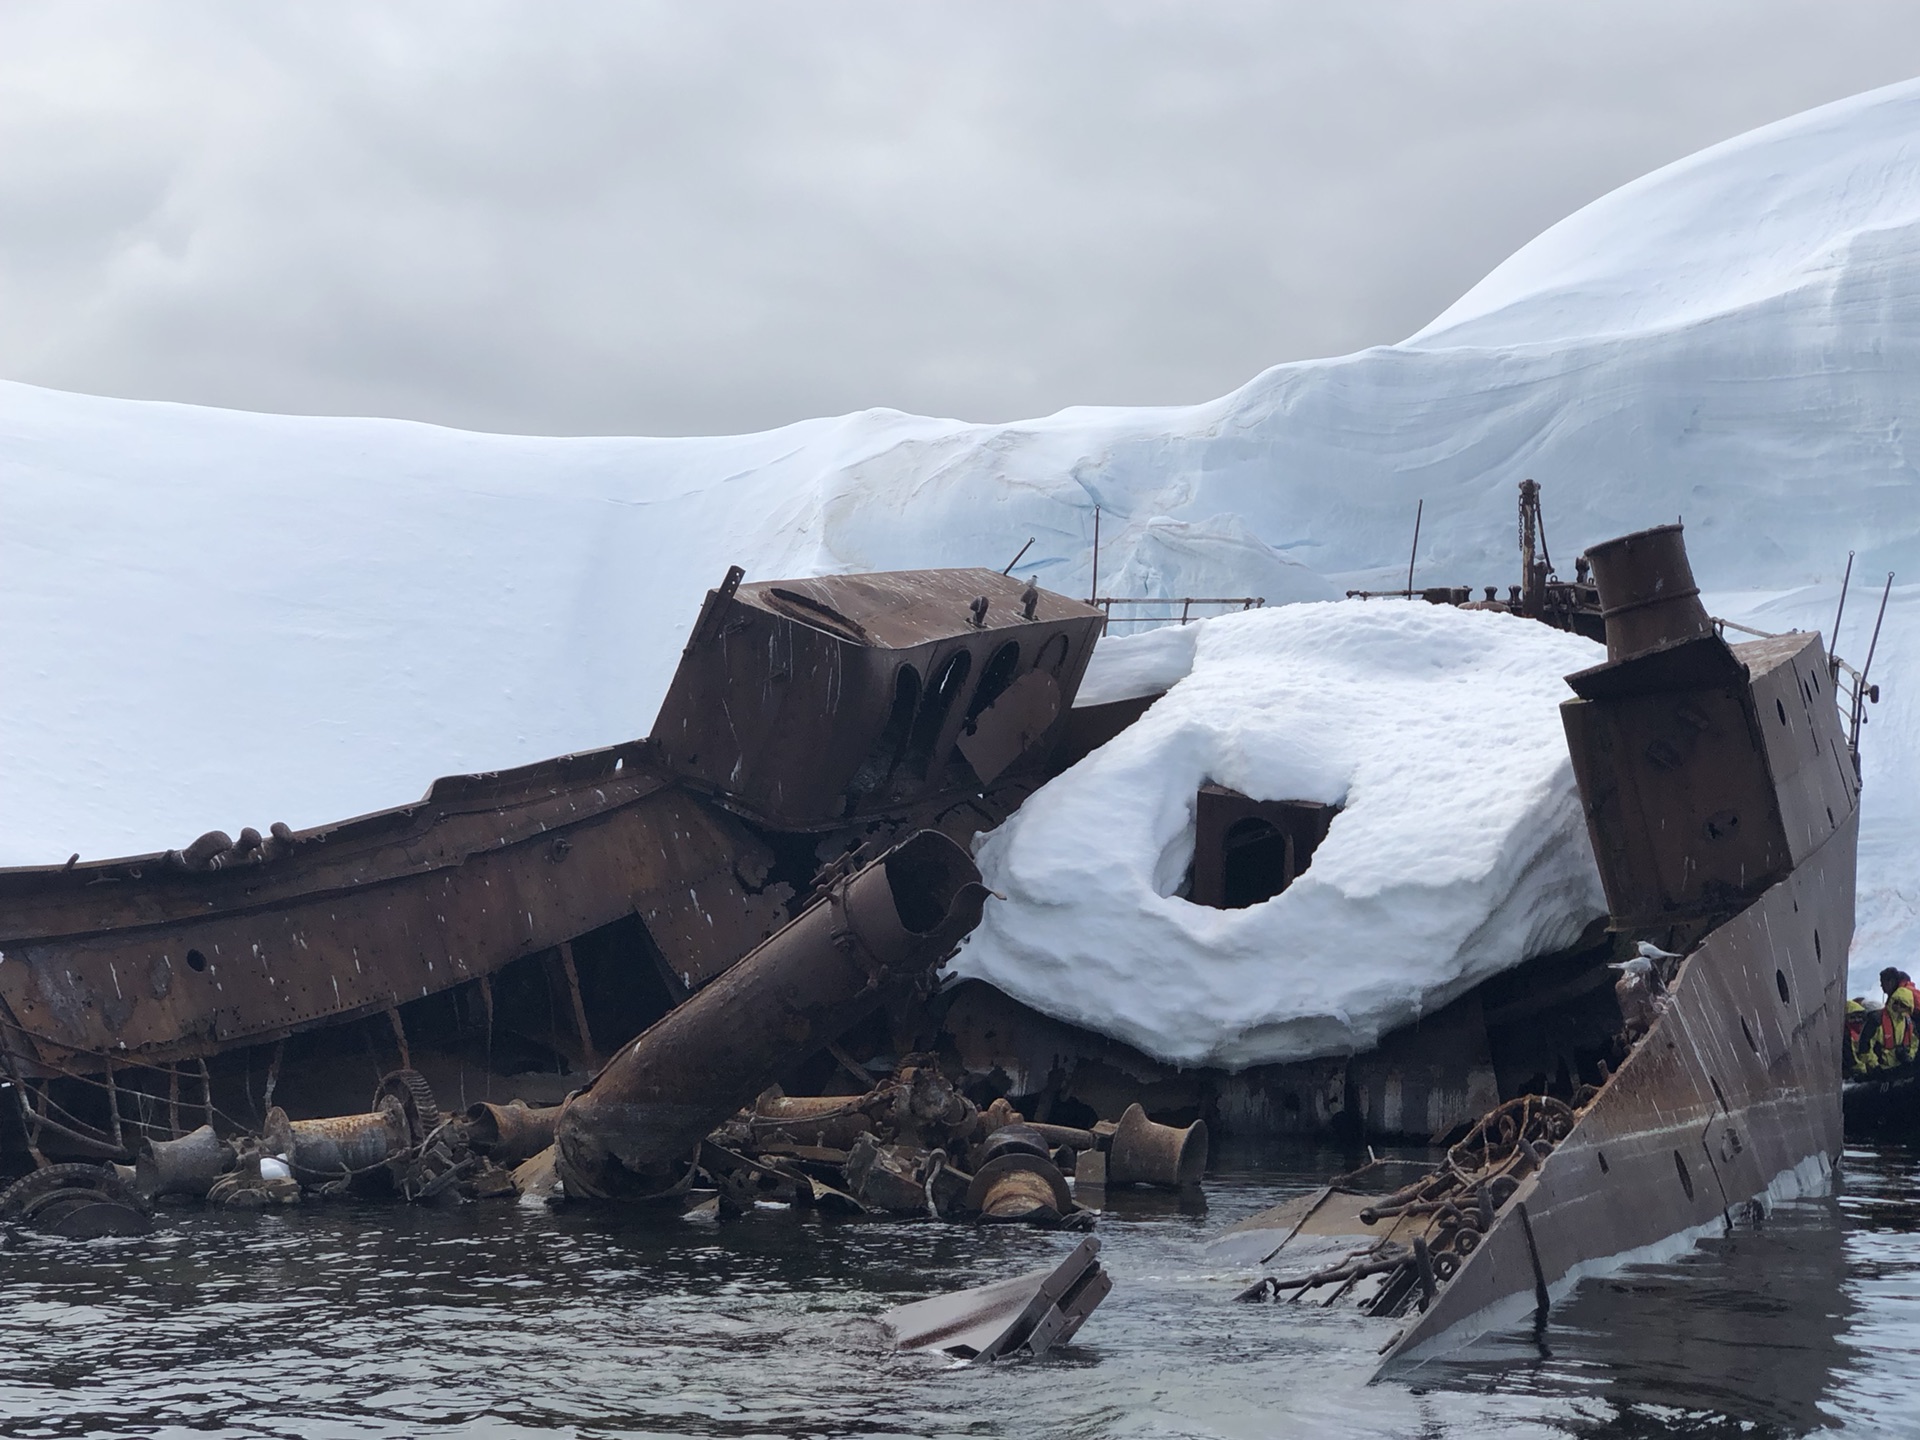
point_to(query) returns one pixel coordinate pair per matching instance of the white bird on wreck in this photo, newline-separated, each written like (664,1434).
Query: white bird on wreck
(1666,964)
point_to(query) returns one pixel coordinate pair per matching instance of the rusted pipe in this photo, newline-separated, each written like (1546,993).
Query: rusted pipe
(633,1130)
(508,1134)
(835,1121)
(1070,1136)
(339,1146)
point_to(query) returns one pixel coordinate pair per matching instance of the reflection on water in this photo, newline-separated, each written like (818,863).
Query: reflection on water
(501,1321)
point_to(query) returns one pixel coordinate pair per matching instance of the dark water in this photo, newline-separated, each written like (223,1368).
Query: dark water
(506,1321)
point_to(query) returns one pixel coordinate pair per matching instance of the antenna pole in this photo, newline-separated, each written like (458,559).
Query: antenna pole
(1092,598)
(1418,511)
(1861,694)
(1016,559)
(1833,650)
(1874,644)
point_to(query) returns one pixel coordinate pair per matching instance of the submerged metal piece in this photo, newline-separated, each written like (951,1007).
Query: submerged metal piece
(1017,1188)
(76,1202)
(1028,1314)
(1733,1094)
(633,1130)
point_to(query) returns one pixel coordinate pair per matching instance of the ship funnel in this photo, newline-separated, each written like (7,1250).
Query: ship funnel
(1647,594)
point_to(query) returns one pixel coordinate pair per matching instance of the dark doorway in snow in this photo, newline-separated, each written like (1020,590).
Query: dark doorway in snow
(1246,851)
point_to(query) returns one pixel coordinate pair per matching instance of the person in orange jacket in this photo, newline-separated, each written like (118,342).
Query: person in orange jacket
(1898,1041)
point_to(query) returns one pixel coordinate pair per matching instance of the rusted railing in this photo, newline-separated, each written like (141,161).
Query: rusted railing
(1173,617)
(1856,693)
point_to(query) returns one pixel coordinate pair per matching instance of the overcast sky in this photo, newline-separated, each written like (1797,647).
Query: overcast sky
(703,217)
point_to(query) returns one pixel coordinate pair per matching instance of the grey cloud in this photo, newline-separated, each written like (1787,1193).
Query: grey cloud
(671,218)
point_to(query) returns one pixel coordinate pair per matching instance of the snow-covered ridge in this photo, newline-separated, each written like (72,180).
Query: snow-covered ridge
(220,619)
(1795,204)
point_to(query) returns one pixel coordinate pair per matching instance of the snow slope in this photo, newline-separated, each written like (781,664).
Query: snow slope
(220,619)
(1460,846)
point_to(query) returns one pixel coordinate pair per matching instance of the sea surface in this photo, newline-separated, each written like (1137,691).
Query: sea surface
(508,1320)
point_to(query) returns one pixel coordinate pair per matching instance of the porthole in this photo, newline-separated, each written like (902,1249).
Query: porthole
(1781,707)
(1601,1156)
(1747,1030)
(1780,984)
(1718,1093)
(1686,1180)
(195,960)
(1816,945)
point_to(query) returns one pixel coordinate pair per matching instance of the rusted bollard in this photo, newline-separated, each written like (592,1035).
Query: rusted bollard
(187,1166)
(1143,1153)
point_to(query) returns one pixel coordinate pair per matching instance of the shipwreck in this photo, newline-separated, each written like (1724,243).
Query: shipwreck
(700,968)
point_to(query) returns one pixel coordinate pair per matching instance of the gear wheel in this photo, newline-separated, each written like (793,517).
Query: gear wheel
(55,1198)
(409,1089)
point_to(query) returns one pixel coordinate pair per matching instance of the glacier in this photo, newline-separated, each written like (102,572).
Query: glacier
(216,618)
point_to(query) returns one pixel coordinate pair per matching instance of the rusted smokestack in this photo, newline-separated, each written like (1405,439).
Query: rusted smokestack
(1647,594)
(632,1131)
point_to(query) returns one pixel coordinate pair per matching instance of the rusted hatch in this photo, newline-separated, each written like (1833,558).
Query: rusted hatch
(1246,851)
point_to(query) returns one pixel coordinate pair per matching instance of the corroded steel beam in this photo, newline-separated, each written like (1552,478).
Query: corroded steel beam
(633,1129)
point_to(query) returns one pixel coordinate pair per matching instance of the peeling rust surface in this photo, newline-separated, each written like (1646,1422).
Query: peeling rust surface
(635,1129)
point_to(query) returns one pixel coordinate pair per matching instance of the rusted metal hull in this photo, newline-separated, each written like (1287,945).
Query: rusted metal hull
(1734,1094)
(152,964)
(1722,801)
(539,917)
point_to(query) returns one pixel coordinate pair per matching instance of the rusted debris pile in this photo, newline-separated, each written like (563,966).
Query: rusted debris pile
(681,1116)
(914,1145)
(1433,1224)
